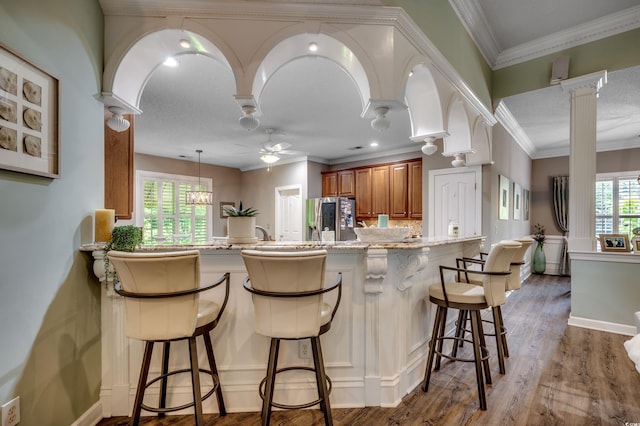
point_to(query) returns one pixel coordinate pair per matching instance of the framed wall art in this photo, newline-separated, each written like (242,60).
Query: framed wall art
(614,242)
(28,117)
(517,201)
(223,212)
(525,204)
(503,197)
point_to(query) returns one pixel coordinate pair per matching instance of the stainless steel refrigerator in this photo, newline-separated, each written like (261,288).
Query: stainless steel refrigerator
(336,216)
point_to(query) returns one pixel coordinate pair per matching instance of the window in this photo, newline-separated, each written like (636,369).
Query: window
(162,212)
(617,203)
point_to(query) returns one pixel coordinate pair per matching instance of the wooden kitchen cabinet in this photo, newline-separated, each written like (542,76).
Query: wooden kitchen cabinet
(363,193)
(339,184)
(398,191)
(379,190)
(118,170)
(415,190)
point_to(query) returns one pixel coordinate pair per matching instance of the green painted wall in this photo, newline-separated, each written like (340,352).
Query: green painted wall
(49,298)
(611,53)
(441,25)
(604,291)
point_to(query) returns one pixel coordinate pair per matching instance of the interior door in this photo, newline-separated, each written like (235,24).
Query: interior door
(455,195)
(289,214)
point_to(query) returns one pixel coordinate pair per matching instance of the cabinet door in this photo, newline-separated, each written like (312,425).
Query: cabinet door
(363,193)
(330,184)
(346,184)
(398,191)
(118,170)
(415,190)
(379,190)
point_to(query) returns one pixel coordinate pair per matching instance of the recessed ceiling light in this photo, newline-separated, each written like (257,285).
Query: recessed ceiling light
(185,43)
(170,62)
(373,144)
(313,46)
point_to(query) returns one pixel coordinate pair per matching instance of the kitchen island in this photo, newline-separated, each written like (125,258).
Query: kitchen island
(374,353)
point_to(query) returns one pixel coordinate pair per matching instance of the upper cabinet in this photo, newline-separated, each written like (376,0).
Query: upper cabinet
(394,189)
(339,184)
(118,170)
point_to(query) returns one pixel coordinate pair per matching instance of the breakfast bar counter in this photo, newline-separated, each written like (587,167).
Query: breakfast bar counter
(375,352)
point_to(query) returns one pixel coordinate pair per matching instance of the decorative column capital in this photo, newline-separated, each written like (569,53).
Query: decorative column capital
(410,265)
(376,264)
(590,81)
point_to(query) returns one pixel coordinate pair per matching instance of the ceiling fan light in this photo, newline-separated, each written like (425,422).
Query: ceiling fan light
(381,122)
(117,122)
(269,158)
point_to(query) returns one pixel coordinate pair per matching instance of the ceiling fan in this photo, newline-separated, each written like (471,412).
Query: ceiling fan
(270,152)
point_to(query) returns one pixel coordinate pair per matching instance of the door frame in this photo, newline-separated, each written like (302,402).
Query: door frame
(477,170)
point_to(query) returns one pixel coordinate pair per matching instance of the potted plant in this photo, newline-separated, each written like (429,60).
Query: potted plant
(539,258)
(241,224)
(123,238)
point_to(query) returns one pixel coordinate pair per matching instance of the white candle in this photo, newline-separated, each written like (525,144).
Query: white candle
(104,221)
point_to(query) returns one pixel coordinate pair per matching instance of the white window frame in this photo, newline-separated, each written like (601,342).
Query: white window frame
(141,175)
(616,177)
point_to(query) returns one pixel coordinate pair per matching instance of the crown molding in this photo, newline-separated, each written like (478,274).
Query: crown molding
(506,118)
(475,22)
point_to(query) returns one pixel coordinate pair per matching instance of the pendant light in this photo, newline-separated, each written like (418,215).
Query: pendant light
(199,197)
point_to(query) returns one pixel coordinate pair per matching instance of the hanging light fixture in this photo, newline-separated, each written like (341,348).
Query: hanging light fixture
(199,197)
(248,121)
(269,158)
(117,122)
(380,123)
(429,147)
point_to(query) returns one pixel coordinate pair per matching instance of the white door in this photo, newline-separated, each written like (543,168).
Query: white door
(455,195)
(289,213)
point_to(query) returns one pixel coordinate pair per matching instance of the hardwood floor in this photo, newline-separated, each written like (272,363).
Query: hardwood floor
(556,375)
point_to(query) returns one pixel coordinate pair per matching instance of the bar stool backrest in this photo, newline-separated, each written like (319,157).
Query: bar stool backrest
(513,281)
(161,318)
(287,273)
(499,260)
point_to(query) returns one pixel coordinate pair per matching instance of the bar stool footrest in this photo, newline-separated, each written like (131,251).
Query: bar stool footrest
(216,384)
(297,406)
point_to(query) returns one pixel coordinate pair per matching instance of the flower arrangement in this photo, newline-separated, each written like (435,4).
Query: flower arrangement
(233,212)
(538,233)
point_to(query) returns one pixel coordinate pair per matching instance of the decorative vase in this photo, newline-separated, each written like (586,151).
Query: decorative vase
(539,259)
(241,229)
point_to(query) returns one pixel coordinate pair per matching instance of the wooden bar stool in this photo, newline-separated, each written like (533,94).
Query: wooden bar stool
(162,305)
(471,298)
(288,289)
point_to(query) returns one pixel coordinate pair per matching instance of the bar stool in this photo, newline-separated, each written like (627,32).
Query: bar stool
(471,298)
(162,304)
(287,290)
(514,282)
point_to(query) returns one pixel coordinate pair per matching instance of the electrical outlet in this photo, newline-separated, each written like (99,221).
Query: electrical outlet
(11,412)
(304,348)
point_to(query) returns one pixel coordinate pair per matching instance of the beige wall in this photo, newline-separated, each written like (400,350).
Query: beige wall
(544,169)
(512,162)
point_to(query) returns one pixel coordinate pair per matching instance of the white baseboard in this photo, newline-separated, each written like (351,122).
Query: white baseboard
(91,417)
(611,327)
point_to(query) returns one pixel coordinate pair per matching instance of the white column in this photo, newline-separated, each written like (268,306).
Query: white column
(582,159)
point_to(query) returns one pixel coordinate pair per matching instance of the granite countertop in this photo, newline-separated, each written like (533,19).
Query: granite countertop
(218,245)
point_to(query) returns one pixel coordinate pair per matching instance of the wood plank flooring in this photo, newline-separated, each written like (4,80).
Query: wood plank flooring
(556,375)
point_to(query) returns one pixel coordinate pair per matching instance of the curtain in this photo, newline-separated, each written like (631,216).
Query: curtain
(561,210)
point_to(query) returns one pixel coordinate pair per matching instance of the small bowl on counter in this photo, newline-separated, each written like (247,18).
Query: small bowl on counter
(382,235)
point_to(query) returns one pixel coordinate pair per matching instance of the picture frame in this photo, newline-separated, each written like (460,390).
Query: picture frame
(29,129)
(614,243)
(517,201)
(526,200)
(503,197)
(223,213)
(635,244)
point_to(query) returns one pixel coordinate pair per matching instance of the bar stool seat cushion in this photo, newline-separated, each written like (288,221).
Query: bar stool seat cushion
(207,312)
(459,293)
